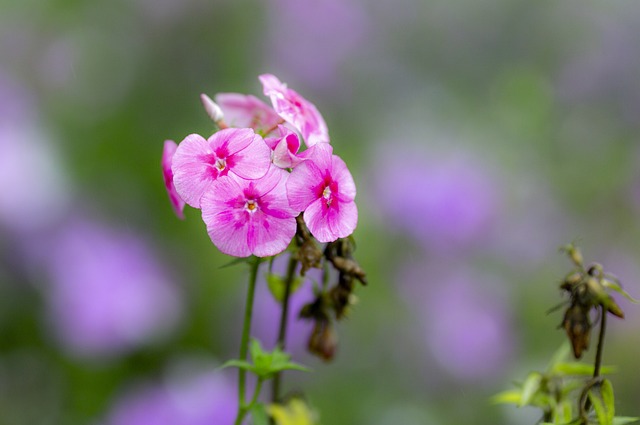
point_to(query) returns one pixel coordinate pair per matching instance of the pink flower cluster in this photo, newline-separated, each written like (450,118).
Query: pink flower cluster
(250,179)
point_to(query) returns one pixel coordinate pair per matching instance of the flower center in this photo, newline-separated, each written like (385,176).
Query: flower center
(251,206)
(326,194)
(220,164)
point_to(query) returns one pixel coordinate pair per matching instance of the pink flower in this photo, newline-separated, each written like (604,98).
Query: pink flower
(285,147)
(167,158)
(241,110)
(197,162)
(323,188)
(245,217)
(296,110)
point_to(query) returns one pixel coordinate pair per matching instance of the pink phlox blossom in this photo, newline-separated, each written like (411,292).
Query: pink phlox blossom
(245,110)
(323,188)
(245,217)
(198,162)
(285,148)
(167,158)
(296,110)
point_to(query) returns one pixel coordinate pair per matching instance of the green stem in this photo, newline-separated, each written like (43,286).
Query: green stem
(244,344)
(585,403)
(603,328)
(282,333)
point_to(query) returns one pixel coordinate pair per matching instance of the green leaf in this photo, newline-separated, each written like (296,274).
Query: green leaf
(259,414)
(602,400)
(507,397)
(623,420)
(277,285)
(266,364)
(611,284)
(236,261)
(579,369)
(606,390)
(563,413)
(530,388)
(560,355)
(240,364)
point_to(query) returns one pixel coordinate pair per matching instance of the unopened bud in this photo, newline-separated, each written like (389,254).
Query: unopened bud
(212,108)
(323,340)
(578,327)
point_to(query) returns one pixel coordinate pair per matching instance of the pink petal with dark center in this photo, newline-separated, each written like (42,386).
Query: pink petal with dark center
(328,223)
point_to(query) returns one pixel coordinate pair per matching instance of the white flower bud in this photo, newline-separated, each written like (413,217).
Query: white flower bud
(212,108)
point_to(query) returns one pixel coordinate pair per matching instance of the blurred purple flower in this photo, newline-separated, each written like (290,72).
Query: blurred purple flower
(311,39)
(464,319)
(108,293)
(204,397)
(444,203)
(33,187)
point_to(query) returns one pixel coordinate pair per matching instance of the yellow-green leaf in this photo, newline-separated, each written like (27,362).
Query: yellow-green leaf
(507,397)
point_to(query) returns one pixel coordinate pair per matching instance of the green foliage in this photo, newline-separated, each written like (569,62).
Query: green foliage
(601,397)
(259,414)
(277,285)
(265,364)
(555,392)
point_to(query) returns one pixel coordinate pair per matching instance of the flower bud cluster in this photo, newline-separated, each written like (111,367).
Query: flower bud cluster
(250,178)
(587,288)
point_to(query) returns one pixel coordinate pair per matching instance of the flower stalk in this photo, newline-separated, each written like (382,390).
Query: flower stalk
(244,344)
(282,332)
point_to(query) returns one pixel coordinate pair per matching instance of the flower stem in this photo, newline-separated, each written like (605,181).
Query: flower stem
(244,344)
(603,328)
(585,403)
(282,333)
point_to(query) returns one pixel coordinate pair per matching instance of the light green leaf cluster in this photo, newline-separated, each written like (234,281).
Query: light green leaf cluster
(555,392)
(265,364)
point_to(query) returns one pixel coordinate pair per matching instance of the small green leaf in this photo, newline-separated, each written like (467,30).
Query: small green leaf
(606,389)
(560,355)
(240,364)
(529,388)
(507,397)
(563,413)
(601,398)
(623,420)
(235,261)
(277,285)
(579,369)
(611,284)
(259,414)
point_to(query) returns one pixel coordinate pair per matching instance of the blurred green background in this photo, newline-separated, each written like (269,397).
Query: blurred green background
(481,136)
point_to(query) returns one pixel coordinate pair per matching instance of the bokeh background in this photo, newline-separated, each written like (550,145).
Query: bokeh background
(481,135)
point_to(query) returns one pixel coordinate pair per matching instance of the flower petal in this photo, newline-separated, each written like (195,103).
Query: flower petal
(231,140)
(253,161)
(167,158)
(192,175)
(303,184)
(327,224)
(223,213)
(268,235)
(341,174)
(242,110)
(296,110)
